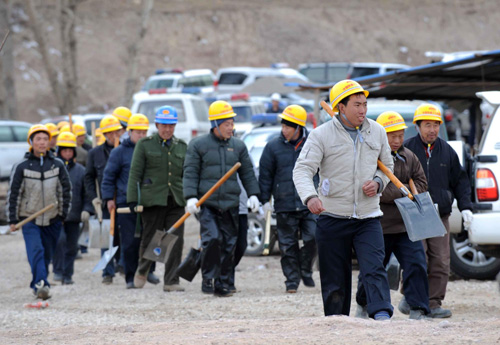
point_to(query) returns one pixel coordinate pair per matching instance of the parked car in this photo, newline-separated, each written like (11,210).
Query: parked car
(361,69)
(13,145)
(192,112)
(175,79)
(245,110)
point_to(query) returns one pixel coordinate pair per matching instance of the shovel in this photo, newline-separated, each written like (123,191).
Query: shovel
(5,230)
(160,246)
(419,214)
(267,235)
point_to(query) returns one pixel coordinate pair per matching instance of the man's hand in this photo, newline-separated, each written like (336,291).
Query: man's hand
(13,228)
(467,218)
(85,216)
(315,205)
(191,206)
(111,206)
(253,203)
(268,207)
(370,188)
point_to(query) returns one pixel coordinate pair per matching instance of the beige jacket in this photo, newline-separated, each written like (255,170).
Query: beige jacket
(343,168)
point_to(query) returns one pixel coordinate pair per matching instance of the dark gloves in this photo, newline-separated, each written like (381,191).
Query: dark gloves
(132,206)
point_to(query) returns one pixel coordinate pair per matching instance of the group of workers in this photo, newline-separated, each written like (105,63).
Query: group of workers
(324,186)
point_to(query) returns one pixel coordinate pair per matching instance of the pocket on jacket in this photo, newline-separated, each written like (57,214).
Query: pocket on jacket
(153,158)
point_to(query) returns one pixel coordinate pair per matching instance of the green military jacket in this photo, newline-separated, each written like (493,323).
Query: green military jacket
(158,169)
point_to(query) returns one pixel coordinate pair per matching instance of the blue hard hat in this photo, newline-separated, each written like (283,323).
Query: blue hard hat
(166,115)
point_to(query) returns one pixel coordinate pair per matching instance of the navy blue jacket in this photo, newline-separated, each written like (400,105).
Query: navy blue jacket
(79,201)
(446,178)
(116,173)
(276,174)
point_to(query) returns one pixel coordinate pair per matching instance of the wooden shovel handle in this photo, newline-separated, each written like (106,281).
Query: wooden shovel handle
(413,187)
(393,178)
(126,210)
(207,195)
(327,108)
(34,215)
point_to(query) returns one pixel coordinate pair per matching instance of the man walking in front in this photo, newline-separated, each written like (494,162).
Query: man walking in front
(346,150)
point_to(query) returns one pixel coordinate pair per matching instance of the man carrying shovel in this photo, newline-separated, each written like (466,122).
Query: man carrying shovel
(208,158)
(38,180)
(156,173)
(346,150)
(447,180)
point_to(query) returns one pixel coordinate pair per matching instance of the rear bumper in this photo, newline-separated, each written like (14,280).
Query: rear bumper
(485,228)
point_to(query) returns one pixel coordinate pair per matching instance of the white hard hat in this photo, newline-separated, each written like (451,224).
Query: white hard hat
(275,97)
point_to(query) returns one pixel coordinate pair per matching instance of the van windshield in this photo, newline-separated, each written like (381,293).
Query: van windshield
(232,78)
(244,113)
(362,71)
(149,109)
(158,84)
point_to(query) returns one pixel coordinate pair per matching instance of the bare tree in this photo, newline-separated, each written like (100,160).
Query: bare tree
(8,99)
(68,52)
(133,50)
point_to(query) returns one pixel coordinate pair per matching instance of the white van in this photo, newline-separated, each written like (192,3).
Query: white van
(192,112)
(177,80)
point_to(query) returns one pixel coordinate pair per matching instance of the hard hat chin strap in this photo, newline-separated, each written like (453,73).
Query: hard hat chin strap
(360,137)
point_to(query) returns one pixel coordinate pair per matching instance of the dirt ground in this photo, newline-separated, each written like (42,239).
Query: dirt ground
(89,312)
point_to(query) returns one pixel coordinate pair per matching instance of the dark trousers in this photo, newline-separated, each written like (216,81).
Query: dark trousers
(162,218)
(411,257)
(41,242)
(296,262)
(129,245)
(219,233)
(67,247)
(335,238)
(241,244)
(109,270)
(438,263)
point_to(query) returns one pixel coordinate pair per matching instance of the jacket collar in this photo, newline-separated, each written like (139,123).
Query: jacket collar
(365,126)
(31,155)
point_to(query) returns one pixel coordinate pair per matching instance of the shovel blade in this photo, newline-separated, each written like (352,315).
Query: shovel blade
(99,233)
(420,217)
(106,258)
(160,247)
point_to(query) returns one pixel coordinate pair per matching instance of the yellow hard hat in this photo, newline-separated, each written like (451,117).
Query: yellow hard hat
(391,121)
(65,128)
(66,139)
(38,128)
(296,114)
(99,136)
(220,110)
(61,124)
(122,114)
(79,130)
(52,128)
(109,123)
(343,89)
(138,121)
(427,111)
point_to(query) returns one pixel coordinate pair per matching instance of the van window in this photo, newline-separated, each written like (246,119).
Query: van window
(362,71)
(6,134)
(159,84)
(232,78)
(149,109)
(200,110)
(244,113)
(21,132)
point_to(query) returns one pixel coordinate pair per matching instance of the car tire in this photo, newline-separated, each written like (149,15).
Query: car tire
(255,235)
(470,263)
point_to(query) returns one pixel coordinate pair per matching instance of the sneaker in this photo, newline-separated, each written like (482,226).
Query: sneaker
(233,289)
(207,286)
(173,287)
(403,306)
(361,312)
(139,281)
(153,279)
(440,313)
(308,281)
(291,289)
(57,277)
(419,314)
(222,292)
(382,316)
(130,285)
(107,280)
(42,290)
(67,281)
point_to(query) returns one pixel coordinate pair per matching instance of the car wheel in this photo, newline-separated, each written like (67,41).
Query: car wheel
(468,262)
(255,235)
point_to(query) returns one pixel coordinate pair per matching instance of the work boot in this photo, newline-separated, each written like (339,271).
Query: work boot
(67,281)
(42,290)
(222,292)
(292,288)
(404,307)
(173,287)
(207,286)
(107,280)
(308,281)
(419,314)
(139,281)
(233,289)
(440,313)
(130,285)
(153,279)
(57,277)
(361,312)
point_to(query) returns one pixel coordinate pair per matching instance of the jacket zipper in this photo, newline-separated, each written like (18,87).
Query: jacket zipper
(43,196)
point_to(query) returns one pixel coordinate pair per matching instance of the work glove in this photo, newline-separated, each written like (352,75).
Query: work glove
(85,216)
(268,207)
(253,204)
(191,206)
(132,206)
(467,218)
(98,207)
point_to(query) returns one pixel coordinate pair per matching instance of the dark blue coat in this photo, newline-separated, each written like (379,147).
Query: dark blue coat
(115,177)
(79,200)
(276,174)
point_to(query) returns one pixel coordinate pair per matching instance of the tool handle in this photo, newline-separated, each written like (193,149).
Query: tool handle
(70,122)
(126,210)
(267,237)
(327,108)
(393,178)
(94,139)
(206,196)
(413,187)
(112,216)
(34,215)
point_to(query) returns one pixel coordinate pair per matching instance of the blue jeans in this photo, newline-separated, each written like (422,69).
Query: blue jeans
(41,242)
(67,247)
(336,237)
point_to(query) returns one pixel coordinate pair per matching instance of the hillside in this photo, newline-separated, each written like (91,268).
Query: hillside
(213,34)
